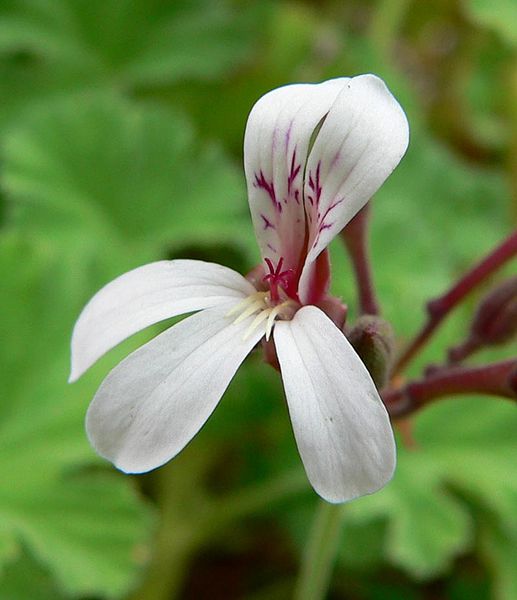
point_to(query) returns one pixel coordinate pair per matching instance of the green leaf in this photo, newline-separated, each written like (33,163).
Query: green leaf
(464,457)
(499,546)
(426,527)
(25,578)
(118,181)
(129,42)
(498,15)
(88,529)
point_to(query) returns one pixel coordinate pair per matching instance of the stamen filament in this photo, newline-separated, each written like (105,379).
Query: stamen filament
(257,305)
(260,303)
(248,300)
(273,315)
(256,322)
(270,323)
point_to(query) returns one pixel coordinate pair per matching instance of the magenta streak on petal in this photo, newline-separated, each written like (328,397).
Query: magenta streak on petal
(293,172)
(331,207)
(267,223)
(288,134)
(315,186)
(321,228)
(272,248)
(268,186)
(336,158)
(322,225)
(262,183)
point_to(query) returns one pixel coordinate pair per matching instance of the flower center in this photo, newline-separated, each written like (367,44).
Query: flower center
(262,306)
(277,279)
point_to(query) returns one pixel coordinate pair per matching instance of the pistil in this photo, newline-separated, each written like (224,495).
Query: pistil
(277,279)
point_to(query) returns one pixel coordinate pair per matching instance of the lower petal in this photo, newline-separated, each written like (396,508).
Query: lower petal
(154,402)
(341,427)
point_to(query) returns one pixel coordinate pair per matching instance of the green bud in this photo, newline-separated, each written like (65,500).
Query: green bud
(373,340)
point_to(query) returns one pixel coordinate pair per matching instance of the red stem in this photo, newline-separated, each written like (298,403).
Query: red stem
(440,307)
(464,350)
(498,379)
(355,236)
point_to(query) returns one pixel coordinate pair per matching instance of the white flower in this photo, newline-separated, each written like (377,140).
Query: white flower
(314,154)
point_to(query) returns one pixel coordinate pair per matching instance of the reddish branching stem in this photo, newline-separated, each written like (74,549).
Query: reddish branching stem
(440,307)
(355,236)
(464,350)
(497,379)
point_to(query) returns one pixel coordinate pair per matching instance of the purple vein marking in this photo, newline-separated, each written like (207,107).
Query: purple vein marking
(288,134)
(322,224)
(268,186)
(267,223)
(315,186)
(335,160)
(293,172)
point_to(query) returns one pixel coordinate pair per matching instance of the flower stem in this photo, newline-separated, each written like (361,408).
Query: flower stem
(440,307)
(355,236)
(320,553)
(497,379)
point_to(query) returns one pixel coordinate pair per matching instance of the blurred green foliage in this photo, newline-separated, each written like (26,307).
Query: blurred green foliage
(121,128)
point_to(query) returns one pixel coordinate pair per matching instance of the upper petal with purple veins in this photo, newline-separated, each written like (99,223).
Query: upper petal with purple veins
(276,146)
(361,141)
(301,197)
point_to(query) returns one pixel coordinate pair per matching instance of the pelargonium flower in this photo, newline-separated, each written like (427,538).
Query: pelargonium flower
(314,154)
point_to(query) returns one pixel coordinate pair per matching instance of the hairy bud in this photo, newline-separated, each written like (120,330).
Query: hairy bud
(494,323)
(373,340)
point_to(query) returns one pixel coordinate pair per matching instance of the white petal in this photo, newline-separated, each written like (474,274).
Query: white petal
(145,296)
(362,140)
(152,404)
(341,427)
(276,144)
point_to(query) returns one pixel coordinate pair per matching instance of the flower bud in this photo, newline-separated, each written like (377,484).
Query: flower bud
(495,321)
(373,340)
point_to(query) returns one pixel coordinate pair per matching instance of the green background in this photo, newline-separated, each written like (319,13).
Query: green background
(121,126)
